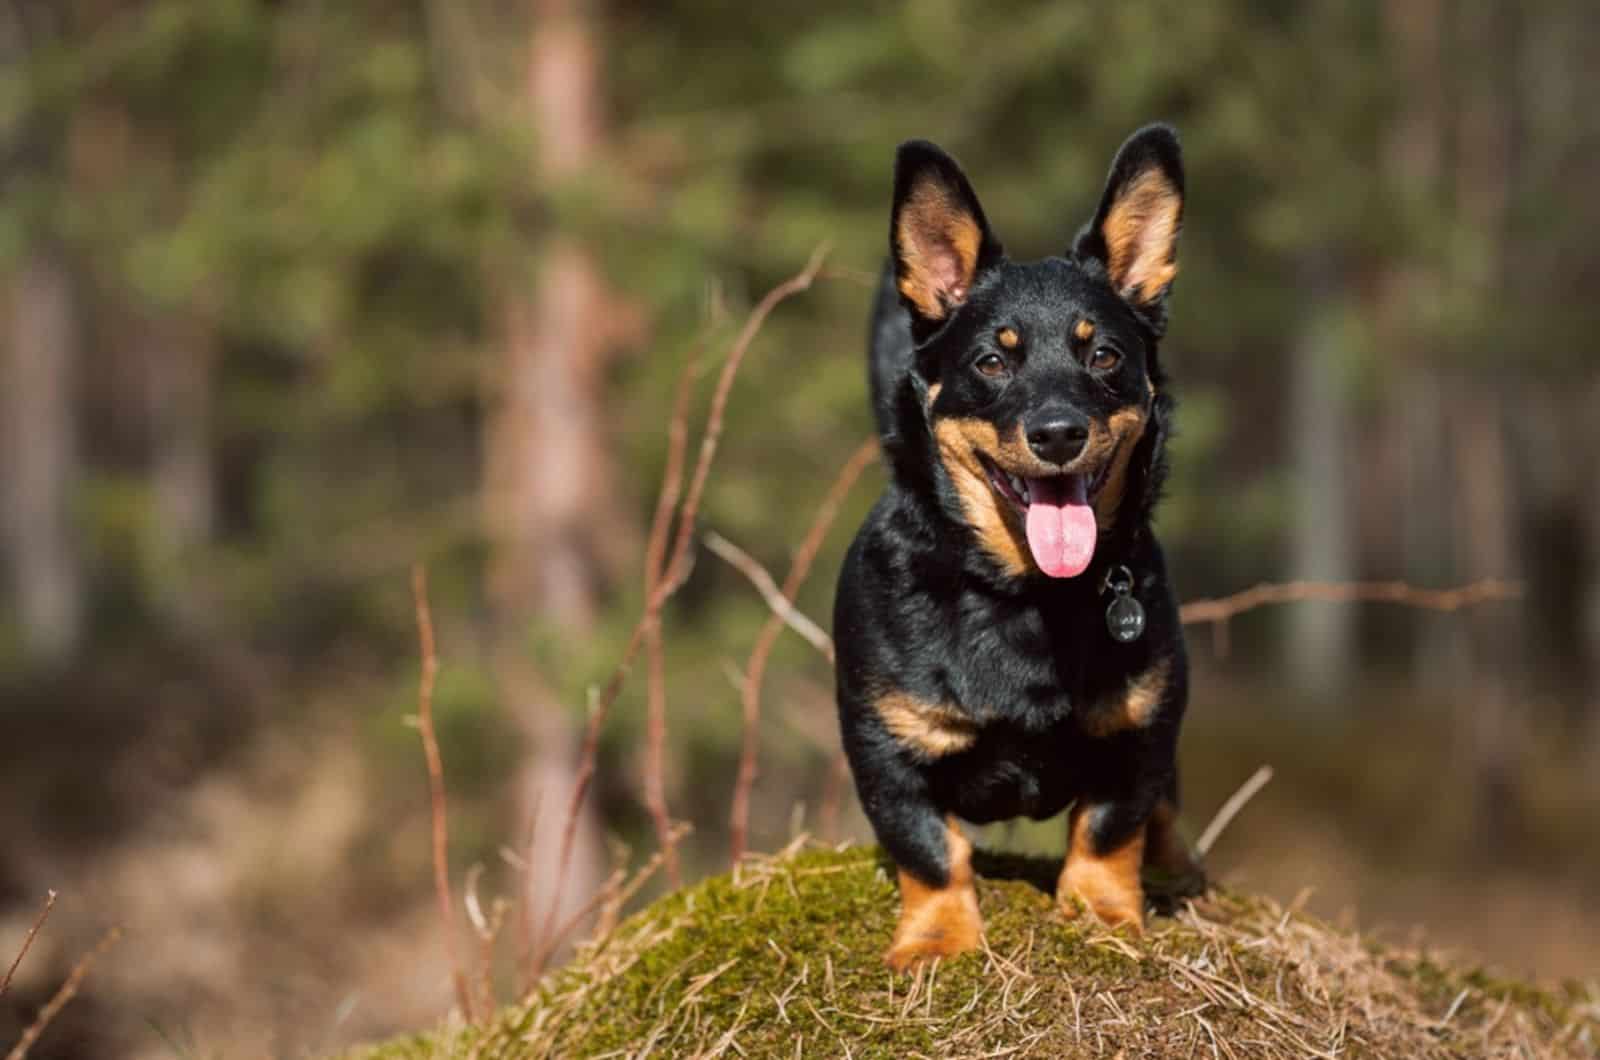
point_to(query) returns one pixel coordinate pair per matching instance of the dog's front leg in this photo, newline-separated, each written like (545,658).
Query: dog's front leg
(1104,855)
(938,902)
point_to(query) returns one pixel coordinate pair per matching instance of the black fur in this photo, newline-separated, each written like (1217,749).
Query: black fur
(923,608)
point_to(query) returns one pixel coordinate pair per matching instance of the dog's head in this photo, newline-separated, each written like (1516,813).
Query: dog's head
(1038,380)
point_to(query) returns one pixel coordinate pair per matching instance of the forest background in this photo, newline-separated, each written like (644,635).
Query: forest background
(295,295)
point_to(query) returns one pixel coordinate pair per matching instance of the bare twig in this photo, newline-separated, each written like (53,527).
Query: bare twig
(487,928)
(719,404)
(27,941)
(611,897)
(676,570)
(784,613)
(1219,611)
(655,784)
(523,863)
(436,796)
(66,993)
(1231,808)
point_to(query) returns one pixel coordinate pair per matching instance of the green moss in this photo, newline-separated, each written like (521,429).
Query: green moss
(787,956)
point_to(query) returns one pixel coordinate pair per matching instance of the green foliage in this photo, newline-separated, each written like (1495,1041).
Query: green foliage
(334,195)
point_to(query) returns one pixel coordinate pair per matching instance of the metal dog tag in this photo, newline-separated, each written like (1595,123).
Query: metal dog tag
(1125,615)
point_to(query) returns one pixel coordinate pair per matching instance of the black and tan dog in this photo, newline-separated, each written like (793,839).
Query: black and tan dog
(1008,643)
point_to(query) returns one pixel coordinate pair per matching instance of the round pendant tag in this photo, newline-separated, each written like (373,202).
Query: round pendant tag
(1125,619)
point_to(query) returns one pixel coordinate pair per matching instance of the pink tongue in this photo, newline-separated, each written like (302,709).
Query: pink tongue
(1061,529)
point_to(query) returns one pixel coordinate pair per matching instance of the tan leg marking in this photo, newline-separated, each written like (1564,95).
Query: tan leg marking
(1106,882)
(928,730)
(1135,708)
(938,921)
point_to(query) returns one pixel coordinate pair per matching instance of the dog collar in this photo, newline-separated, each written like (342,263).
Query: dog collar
(1124,615)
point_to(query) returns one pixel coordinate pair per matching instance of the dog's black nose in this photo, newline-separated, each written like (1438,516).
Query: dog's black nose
(1058,440)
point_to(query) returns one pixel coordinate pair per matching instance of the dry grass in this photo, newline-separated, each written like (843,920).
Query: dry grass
(782,959)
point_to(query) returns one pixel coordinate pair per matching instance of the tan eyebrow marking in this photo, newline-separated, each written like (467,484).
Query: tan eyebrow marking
(1008,338)
(1084,330)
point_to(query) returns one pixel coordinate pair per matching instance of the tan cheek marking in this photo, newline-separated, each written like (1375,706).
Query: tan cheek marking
(1084,331)
(960,440)
(938,921)
(933,393)
(1125,428)
(1141,231)
(1135,708)
(931,730)
(1105,881)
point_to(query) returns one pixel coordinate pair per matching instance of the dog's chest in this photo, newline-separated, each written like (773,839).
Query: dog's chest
(1024,668)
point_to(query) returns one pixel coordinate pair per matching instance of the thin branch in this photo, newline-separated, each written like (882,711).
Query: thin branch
(676,569)
(1394,592)
(436,795)
(27,941)
(66,993)
(1231,808)
(655,767)
(719,404)
(784,613)
(523,863)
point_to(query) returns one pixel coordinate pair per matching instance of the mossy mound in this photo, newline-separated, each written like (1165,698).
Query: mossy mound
(784,959)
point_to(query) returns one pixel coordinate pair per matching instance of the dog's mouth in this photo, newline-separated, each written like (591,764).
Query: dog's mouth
(1056,512)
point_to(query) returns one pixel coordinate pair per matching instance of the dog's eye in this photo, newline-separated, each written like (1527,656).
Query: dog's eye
(1104,359)
(991,365)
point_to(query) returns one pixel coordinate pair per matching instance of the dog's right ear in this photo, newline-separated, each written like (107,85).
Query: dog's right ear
(938,235)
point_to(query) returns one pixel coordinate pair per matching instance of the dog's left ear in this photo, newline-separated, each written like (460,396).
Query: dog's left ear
(1134,234)
(938,236)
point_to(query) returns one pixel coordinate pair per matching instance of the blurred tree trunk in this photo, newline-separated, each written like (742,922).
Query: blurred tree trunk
(38,413)
(1320,635)
(1487,515)
(549,477)
(1414,412)
(1490,512)
(178,360)
(39,469)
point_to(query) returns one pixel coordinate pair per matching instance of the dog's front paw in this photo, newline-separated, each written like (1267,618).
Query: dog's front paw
(934,923)
(1111,900)
(1102,877)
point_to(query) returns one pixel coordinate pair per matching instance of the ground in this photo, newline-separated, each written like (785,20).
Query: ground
(784,959)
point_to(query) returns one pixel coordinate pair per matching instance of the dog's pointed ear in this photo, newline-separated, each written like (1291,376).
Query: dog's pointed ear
(1134,234)
(938,236)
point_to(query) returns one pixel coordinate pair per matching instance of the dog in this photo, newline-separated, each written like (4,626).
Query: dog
(1008,642)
